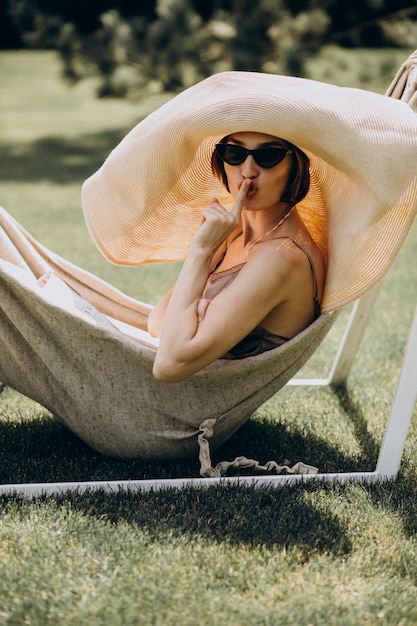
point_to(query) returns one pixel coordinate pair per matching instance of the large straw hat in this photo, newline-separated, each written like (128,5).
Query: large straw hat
(145,202)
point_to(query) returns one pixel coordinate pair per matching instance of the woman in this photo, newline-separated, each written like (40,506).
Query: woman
(258,259)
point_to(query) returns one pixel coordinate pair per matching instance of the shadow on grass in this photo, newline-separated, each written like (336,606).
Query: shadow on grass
(368,444)
(43,450)
(237,515)
(400,497)
(57,159)
(265,441)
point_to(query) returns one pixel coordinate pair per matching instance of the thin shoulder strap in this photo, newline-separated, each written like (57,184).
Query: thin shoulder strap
(317,309)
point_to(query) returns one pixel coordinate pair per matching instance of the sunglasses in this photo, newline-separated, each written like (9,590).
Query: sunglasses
(264,157)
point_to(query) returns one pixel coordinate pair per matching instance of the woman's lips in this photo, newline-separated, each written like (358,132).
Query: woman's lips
(252,190)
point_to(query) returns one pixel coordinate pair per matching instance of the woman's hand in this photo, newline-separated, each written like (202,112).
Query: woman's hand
(218,223)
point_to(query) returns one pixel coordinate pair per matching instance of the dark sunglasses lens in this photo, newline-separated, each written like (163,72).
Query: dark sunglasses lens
(269,157)
(233,155)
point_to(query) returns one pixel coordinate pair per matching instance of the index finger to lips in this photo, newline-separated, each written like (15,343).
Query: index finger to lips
(240,198)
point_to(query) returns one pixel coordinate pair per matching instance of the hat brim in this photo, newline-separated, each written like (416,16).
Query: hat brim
(145,202)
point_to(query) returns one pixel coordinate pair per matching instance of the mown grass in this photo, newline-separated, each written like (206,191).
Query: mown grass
(315,554)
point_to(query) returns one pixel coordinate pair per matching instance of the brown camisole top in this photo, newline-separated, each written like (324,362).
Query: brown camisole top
(258,340)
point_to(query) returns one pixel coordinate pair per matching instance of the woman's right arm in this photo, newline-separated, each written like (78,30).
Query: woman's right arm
(183,349)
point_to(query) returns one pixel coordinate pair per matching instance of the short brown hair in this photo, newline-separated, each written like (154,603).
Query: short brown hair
(298,181)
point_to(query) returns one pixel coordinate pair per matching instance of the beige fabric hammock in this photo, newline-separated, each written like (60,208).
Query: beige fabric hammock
(98,380)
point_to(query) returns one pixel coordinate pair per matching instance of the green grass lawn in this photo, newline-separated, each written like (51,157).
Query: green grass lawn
(319,554)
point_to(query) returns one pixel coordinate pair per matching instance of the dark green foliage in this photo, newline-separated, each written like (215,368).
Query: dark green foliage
(168,45)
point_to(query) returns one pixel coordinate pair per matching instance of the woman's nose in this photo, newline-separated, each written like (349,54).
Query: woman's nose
(249,167)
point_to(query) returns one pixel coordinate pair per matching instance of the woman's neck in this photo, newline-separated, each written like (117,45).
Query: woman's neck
(257,224)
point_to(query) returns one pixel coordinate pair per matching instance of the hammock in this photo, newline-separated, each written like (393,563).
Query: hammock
(98,379)
(85,358)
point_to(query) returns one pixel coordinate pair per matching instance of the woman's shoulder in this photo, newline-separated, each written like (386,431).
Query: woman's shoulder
(286,256)
(298,247)
(299,255)
(287,248)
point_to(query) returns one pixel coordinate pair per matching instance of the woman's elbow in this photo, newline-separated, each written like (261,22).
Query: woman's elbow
(166,371)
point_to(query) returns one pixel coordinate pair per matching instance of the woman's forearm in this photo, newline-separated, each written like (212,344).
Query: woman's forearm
(180,322)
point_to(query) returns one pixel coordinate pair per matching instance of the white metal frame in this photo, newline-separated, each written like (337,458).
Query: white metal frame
(391,449)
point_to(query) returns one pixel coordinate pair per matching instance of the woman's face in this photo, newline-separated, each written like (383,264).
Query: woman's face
(268,185)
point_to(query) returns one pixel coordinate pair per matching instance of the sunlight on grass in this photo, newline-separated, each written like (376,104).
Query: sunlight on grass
(316,554)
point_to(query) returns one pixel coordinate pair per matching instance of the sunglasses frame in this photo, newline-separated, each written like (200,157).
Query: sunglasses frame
(254,153)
